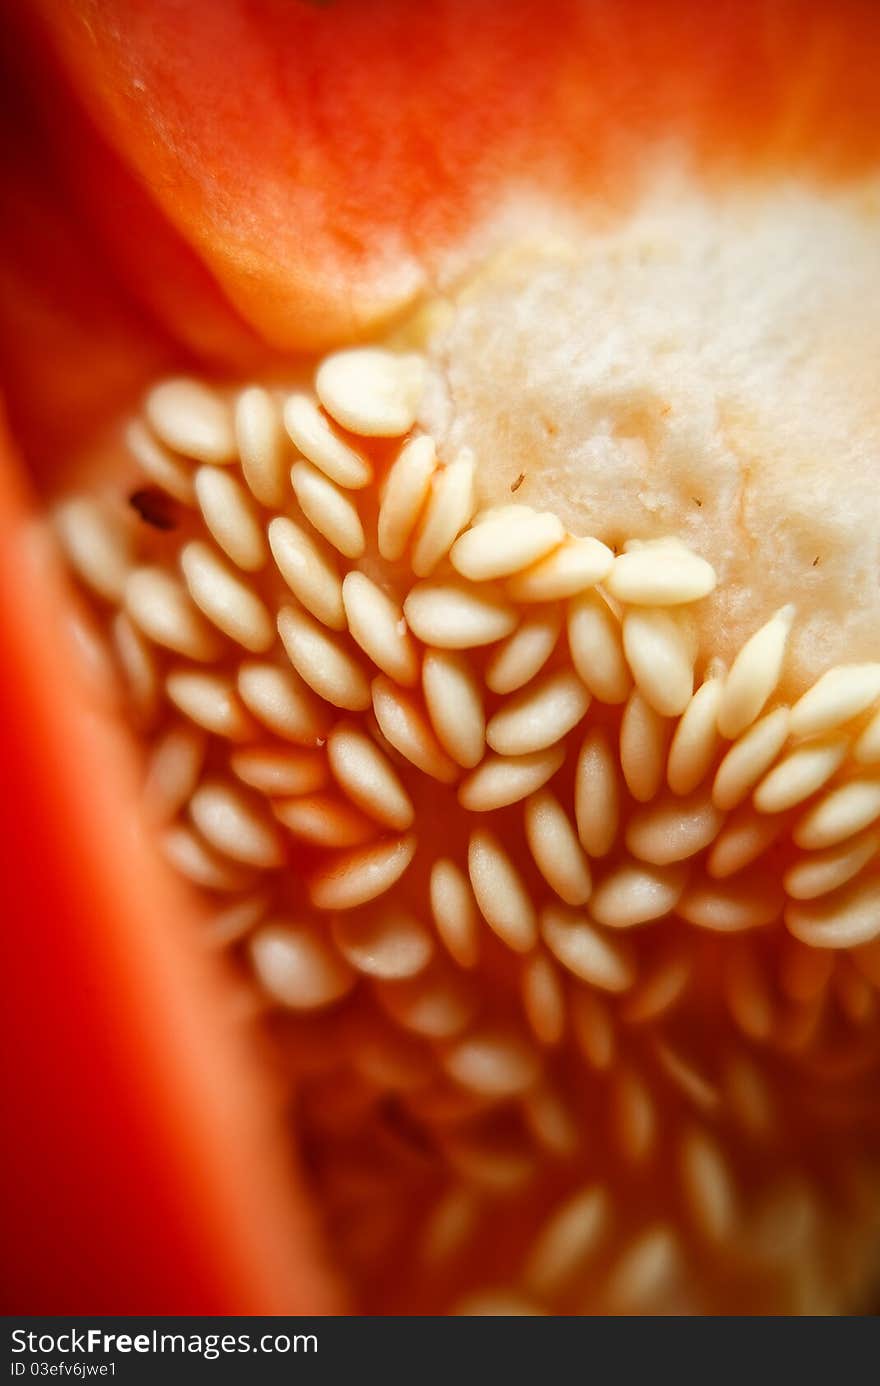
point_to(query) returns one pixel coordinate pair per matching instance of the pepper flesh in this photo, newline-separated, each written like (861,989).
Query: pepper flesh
(319,291)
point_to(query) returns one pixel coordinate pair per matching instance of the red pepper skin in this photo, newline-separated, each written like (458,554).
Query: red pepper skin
(144,1165)
(309,151)
(198,183)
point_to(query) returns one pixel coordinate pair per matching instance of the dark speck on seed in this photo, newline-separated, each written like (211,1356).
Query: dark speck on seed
(515,485)
(696,500)
(816,561)
(154,508)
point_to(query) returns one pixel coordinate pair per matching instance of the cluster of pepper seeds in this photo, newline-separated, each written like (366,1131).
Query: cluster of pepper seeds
(572,955)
